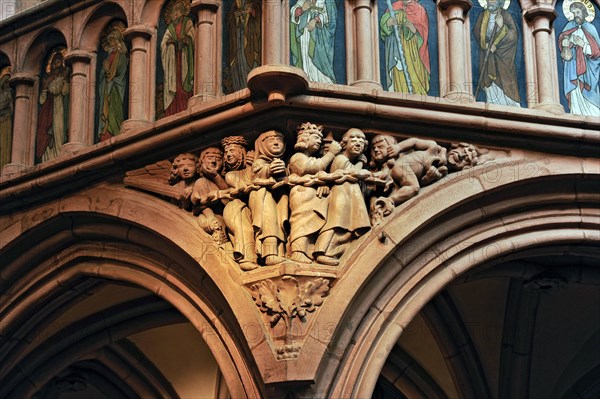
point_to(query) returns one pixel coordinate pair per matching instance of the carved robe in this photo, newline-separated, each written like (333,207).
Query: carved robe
(269,209)
(308,212)
(238,217)
(347,209)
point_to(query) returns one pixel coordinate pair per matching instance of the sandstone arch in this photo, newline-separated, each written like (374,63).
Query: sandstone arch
(420,266)
(89,37)
(65,246)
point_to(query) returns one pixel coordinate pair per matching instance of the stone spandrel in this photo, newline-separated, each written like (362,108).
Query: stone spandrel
(273,206)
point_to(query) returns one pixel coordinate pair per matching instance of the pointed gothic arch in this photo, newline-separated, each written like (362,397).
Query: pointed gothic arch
(67,254)
(493,228)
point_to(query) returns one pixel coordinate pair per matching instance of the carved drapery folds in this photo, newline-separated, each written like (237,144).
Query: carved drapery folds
(269,205)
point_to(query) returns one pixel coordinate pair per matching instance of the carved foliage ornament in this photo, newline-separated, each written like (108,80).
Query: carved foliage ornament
(287,299)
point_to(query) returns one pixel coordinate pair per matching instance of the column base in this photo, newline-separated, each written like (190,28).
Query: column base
(201,99)
(12,169)
(134,124)
(367,84)
(552,107)
(71,148)
(460,97)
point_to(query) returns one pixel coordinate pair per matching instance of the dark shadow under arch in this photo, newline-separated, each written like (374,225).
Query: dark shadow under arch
(89,39)
(39,48)
(526,218)
(72,246)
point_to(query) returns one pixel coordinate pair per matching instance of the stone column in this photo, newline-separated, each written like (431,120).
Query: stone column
(205,63)
(364,45)
(456,13)
(22,153)
(273,32)
(80,135)
(139,71)
(540,19)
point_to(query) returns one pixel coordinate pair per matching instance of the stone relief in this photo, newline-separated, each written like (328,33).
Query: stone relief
(265,207)
(286,299)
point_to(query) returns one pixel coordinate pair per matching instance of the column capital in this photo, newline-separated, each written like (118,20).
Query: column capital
(541,16)
(143,31)
(368,4)
(209,5)
(21,78)
(465,5)
(545,11)
(76,56)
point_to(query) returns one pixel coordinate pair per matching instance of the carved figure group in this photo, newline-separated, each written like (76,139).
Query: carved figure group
(264,210)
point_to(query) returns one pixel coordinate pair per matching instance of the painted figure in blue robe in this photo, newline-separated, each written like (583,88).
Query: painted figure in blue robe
(312,38)
(579,46)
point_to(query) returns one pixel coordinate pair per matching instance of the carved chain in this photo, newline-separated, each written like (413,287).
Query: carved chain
(318,179)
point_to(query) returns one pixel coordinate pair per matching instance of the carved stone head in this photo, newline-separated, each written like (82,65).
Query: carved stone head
(463,156)
(211,162)
(379,148)
(183,168)
(310,137)
(270,145)
(354,143)
(234,148)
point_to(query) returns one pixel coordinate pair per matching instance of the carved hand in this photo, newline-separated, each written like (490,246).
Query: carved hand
(335,147)
(393,151)
(322,191)
(206,223)
(277,167)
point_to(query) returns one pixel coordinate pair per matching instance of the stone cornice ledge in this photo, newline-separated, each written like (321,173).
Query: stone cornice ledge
(371,110)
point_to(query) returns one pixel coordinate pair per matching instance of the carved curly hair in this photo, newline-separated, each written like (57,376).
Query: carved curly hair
(174,177)
(239,140)
(304,132)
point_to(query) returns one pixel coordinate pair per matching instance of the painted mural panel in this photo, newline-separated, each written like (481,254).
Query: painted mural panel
(6,116)
(577,28)
(408,46)
(112,82)
(497,52)
(242,41)
(53,117)
(317,39)
(175,66)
